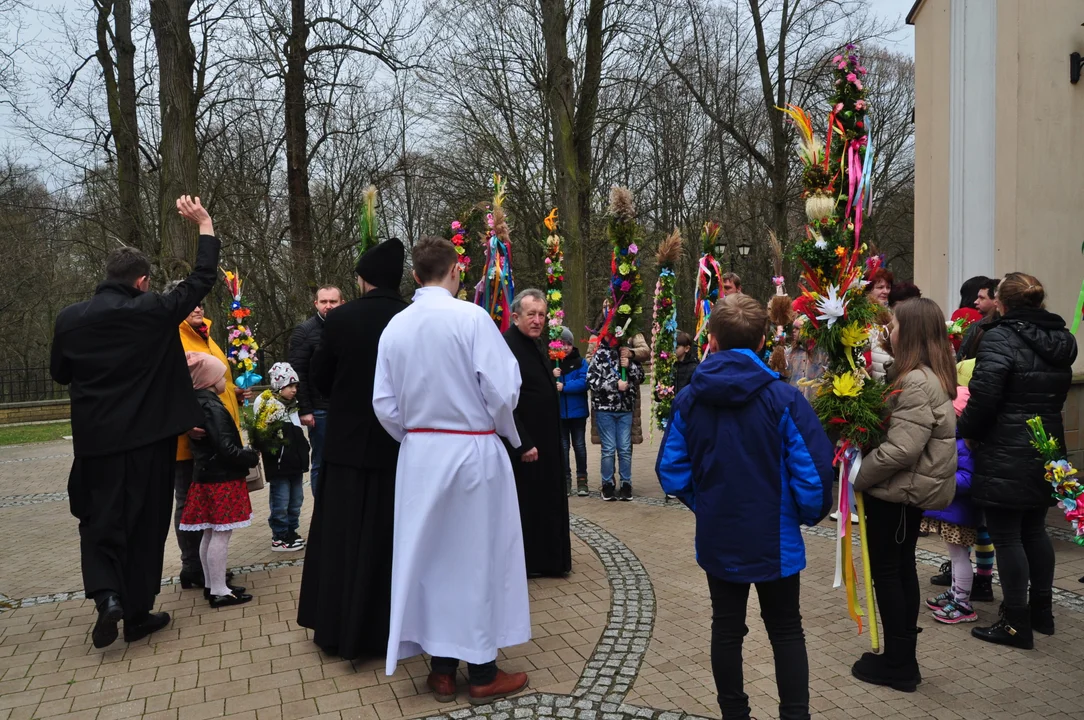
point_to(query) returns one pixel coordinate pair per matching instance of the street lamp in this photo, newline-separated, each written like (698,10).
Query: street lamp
(743,249)
(720,247)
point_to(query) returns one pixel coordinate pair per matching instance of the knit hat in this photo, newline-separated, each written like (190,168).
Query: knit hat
(382,265)
(566,336)
(962,396)
(207,371)
(281,375)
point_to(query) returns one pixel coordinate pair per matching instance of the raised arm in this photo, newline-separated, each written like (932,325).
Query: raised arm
(184,298)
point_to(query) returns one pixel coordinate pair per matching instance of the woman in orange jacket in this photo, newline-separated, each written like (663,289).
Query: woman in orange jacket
(196,337)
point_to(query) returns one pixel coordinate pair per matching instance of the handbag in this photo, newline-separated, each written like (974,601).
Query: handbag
(255,480)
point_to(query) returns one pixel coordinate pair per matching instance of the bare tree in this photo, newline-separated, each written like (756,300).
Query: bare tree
(120,88)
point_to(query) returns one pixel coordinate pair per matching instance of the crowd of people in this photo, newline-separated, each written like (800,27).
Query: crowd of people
(440,482)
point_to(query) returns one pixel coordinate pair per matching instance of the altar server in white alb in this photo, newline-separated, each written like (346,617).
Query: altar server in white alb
(446,385)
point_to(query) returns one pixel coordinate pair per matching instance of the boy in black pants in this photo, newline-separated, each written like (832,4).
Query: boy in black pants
(281,441)
(745,451)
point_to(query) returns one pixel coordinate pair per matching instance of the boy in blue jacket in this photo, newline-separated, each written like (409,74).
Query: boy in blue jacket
(572,391)
(745,451)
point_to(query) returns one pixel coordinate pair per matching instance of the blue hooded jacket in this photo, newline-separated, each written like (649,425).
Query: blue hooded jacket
(745,451)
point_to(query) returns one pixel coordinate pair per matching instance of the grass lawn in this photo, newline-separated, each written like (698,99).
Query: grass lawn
(21,434)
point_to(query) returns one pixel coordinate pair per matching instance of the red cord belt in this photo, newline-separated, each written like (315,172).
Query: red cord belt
(452,432)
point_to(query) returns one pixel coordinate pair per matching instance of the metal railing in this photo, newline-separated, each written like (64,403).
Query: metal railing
(29,384)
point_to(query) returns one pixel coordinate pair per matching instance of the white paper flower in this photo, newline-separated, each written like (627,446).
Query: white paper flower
(832,306)
(819,242)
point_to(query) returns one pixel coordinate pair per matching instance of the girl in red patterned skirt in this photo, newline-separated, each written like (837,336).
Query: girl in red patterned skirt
(218,500)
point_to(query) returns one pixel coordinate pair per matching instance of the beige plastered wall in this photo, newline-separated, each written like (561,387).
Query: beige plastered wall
(932,46)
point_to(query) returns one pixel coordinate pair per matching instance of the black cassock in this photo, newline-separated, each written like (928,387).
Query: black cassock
(543,501)
(346,584)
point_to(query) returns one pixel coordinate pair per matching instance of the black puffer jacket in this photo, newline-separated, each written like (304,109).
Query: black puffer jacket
(1023,370)
(220,455)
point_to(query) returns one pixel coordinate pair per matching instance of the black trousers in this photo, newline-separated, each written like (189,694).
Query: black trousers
(1024,554)
(187,540)
(482,674)
(891,536)
(123,503)
(779,608)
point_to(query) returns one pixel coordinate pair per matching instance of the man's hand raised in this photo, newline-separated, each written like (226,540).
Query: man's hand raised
(192,209)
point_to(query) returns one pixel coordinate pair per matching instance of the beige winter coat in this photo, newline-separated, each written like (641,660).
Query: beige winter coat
(916,464)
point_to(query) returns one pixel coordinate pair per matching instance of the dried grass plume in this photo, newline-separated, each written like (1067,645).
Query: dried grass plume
(622,205)
(670,249)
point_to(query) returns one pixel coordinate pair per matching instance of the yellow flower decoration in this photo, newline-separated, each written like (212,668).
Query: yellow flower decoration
(840,251)
(846,385)
(624,309)
(556,295)
(623,268)
(851,337)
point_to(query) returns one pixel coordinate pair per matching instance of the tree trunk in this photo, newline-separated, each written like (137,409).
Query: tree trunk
(124,127)
(297,145)
(179,173)
(573,123)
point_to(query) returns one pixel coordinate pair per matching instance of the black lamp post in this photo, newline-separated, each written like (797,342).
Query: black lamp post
(744,249)
(720,247)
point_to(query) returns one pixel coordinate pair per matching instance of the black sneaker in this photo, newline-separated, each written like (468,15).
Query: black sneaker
(982,589)
(944,578)
(608,493)
(625,493)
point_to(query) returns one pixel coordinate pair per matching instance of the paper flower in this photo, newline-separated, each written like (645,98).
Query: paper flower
(832,306)
(846,385)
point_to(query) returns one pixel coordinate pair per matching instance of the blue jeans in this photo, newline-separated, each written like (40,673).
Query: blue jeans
(316,441)
(286,495)
(615,432)
(573,434)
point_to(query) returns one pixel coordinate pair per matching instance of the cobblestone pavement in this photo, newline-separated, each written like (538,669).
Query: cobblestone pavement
(626,636)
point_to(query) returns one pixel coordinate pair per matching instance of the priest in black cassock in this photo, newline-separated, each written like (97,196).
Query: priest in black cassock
(131,396)
(346,584)
(543,500)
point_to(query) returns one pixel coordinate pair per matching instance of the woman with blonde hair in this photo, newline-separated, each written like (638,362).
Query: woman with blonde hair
(1023,370)
(914,469)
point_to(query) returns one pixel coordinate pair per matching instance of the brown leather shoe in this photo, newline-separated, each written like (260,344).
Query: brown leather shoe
(504,685)
(443,687)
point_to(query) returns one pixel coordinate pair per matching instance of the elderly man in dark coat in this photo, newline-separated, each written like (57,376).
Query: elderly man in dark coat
(346,585)
(131,396)
(543,501)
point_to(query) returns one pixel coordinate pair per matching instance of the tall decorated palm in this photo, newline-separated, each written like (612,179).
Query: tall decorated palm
(709,278)
(496,289)
(555,278)
(836,178)
(626,285)
(664,329)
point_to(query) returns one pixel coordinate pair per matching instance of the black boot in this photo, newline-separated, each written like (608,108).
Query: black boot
(1042,612)
(1013,629)
(191,579)
(982,590)
(897,668)
(943,578)
(110,613)
(142,627)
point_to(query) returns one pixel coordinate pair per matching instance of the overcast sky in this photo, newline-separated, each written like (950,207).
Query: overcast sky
(891,11)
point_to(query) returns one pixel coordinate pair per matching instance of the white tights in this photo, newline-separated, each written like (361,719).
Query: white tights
(212,553)
(963,575)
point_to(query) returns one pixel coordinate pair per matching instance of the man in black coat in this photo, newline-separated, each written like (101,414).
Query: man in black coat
(346,584)
(537,464)
(131,396)
(311,403)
